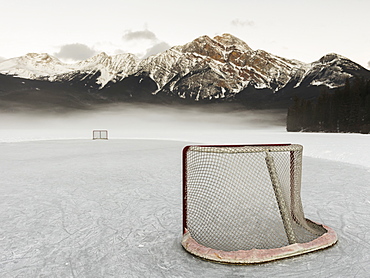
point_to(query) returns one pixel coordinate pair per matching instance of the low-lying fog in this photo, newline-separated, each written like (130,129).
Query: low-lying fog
(208,124)
(137,121)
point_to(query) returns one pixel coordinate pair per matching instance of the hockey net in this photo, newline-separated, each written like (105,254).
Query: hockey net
(100,134)
(242,204)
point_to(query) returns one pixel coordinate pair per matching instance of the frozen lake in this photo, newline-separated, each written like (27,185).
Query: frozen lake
(74,207)
(83,208)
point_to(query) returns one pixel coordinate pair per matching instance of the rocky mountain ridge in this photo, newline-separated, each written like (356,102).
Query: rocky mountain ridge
(223,68)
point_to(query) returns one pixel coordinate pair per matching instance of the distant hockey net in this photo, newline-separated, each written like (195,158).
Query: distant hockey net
(242,204)
(100,134)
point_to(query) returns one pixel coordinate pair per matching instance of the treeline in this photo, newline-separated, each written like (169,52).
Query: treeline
(345,110)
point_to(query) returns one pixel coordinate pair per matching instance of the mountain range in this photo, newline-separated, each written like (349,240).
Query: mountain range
(205,70)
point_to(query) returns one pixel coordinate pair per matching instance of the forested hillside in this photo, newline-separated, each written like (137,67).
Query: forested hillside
(345,110)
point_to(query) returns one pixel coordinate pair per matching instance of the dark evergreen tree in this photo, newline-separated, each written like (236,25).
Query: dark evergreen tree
(293,117)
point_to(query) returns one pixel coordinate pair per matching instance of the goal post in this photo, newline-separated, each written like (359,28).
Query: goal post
(100,134)
(242,204)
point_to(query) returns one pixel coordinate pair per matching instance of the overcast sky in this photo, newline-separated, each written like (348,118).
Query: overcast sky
(77,29)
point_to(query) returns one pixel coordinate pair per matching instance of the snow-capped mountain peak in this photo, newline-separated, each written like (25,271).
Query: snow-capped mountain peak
(111,68)
(231,41)
(96,59)
(43,58)
(205,68)
(34,65)
(45,66)
(331,57)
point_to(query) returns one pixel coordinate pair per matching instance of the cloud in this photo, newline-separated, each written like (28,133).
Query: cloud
(119,51)
(76,51)
(368,64)
(2,59)
(157,48)
(144,43)
(139,35)
(242,23)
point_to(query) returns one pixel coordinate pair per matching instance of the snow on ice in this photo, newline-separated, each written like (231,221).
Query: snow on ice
(74,207)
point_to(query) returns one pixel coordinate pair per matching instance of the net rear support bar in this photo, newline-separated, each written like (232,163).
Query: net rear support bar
(242,204)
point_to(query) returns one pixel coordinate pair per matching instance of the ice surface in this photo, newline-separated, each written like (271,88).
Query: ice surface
(83,208)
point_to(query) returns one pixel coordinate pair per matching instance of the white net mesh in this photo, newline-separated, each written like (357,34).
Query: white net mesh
(245,197)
